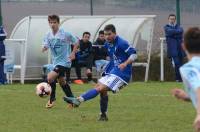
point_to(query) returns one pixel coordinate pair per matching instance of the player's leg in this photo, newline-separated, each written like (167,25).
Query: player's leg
(89,63)
(61,79)
(103,106)
(51,80)
(108,82)
(90,94)
(53,91)
(65,87)
(77,69)
(68,71)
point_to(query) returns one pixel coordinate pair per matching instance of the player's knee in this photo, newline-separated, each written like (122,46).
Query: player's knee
(61,82)
(88,71)
(101,89)
(96,85)
(50,80)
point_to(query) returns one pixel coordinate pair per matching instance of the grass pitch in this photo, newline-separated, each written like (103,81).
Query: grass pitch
(139,107)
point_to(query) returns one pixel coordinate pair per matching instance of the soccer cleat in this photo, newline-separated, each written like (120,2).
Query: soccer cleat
(103,117)
(49,104)
(72,100)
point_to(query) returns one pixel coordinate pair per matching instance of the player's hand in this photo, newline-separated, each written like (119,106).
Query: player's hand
(180,94)
(44,49)
(176,92)
(122,66)
(72,56)
(197,123)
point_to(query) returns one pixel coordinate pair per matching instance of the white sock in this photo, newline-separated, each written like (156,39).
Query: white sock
(81,99)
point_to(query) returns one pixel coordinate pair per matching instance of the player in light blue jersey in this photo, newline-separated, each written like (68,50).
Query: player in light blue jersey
(59,42)
(190,73)
(117,73)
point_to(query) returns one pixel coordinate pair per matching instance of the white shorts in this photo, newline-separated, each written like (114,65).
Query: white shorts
(113,82)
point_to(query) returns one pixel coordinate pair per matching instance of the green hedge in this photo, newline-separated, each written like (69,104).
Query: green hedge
(154,70)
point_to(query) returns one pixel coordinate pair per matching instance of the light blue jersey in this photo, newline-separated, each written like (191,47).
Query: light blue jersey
(60,46)
(190,73)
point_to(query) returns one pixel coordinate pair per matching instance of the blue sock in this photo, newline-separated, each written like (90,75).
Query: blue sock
(90,94)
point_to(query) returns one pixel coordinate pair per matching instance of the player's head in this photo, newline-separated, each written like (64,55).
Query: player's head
(192,41)
(54,22)
(110,32)
(101,35)
(172,18)
(86,37)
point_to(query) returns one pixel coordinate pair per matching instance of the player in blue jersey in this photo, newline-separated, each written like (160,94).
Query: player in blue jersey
(59,42)
(190,73)
(117,73)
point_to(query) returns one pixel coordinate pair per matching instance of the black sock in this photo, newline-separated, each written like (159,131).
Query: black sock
(89,75)
(67,90)
(53,91)
(103,103)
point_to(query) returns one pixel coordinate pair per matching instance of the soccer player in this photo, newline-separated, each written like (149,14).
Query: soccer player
(84,57)
(117,73)
(100,52)
(59,42)
(190,73)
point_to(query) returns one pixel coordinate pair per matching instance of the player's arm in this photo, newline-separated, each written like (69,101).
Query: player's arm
(197,119)
(128,61)
(44,49)
(45,43)
(180,94)
(74,50)
(75,43)
(132,55)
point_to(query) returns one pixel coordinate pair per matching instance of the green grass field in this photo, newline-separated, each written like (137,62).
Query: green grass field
(139,107)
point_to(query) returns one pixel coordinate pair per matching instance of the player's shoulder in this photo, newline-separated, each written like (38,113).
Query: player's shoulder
(65,32)
(106,44)
(121,40)
(62,31)
(192,65)
(122,43)
(47,34)
(186,66)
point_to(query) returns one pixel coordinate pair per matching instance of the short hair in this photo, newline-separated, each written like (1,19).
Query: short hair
(86,33)
(101,32)
(54,17)
(171,15)
(110,27)
(192,40)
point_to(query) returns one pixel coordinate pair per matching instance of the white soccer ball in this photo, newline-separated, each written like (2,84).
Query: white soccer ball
(43,89)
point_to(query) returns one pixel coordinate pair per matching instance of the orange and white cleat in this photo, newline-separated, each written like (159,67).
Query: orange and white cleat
(50,104)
